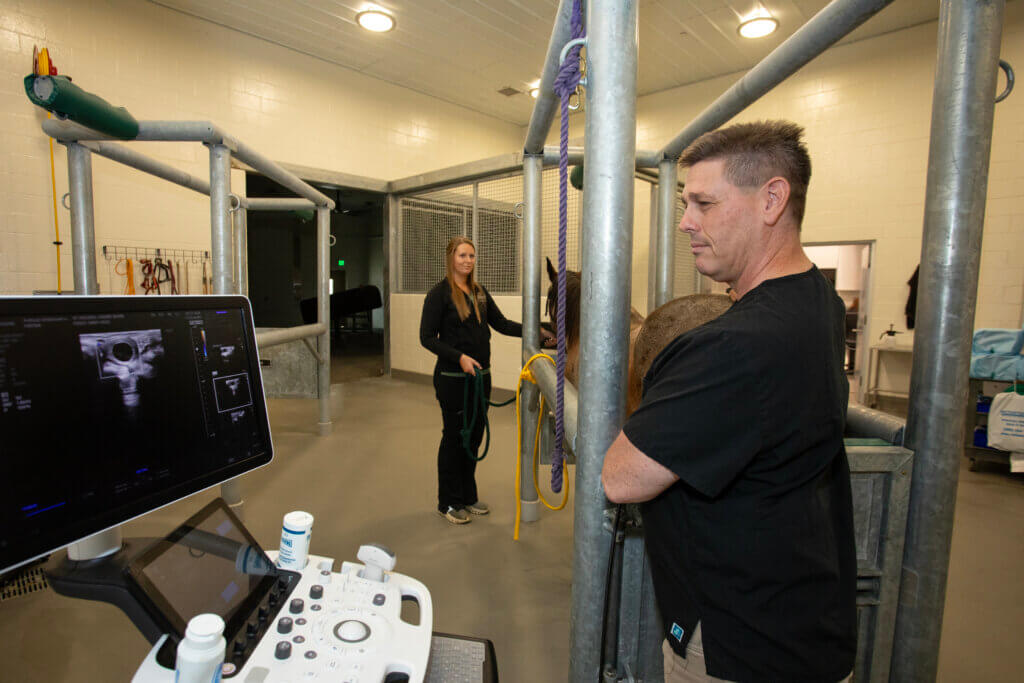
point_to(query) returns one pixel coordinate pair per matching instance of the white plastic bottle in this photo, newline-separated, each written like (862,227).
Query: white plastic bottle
(201,651)
(295,533)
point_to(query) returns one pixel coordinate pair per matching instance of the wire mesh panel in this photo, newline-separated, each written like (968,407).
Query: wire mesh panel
(430,219)
(428,222)
(685,277)
(498,234)
(549,221)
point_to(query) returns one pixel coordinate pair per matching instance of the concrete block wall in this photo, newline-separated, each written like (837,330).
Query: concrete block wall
(163,64)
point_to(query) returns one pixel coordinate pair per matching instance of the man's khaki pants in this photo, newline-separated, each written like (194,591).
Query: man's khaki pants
(692,668)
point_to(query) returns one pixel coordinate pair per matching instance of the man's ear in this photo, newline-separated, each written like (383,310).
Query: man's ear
(774,199)
(552,273)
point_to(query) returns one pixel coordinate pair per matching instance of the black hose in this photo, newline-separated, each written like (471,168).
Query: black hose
(612,587)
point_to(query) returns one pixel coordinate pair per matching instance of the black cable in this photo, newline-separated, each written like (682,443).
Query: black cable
(617,523)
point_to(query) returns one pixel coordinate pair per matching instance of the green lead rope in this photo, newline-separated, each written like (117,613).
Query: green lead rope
(477,405)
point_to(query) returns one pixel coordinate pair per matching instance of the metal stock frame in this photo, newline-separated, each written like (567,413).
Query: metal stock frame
(228,222)
(969,35)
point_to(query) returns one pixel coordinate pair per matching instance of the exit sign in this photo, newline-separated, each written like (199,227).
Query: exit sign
(341,262)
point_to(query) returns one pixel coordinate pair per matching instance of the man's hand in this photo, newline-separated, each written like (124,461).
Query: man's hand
(547,340)
(468,365)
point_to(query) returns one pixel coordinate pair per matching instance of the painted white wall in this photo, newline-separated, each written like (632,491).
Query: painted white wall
(162,64)
(866,108)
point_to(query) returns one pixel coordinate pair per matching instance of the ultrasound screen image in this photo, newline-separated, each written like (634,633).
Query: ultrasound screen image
(110,407)
(129,359)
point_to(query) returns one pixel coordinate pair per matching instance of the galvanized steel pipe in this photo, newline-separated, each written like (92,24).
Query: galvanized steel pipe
(665,251)
(277,204)
(122,154)
(220,219)
(196,131)
(241,250)
(823,30)
(533,167)
(323,315)
(607,259)
(547,103)
(958,160)
(83,230)
(283,335)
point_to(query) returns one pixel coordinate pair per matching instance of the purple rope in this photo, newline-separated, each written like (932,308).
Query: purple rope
(566,81)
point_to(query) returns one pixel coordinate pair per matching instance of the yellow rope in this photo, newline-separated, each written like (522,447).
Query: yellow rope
(525,374)
(42,68)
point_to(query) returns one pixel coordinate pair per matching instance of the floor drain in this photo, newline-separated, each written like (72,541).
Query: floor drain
(22,583)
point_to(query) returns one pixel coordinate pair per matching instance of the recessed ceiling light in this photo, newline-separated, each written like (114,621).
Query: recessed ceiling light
(758,24)
(376,20)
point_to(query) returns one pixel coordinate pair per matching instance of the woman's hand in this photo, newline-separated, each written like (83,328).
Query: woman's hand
(468,365)
(547,340)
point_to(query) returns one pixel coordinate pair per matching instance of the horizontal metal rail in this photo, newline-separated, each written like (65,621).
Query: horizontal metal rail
(128,157)
(547,102)
(823,30)
(276,203)
(496,165)
(547,380)
(195,131)
(269,338)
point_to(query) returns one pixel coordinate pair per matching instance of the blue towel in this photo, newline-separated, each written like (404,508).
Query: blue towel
(998,341)
(1005,368)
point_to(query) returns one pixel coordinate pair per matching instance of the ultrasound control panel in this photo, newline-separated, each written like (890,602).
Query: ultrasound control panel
(335,626)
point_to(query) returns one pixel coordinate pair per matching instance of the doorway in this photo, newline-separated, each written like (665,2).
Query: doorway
(848,266)
(282,272)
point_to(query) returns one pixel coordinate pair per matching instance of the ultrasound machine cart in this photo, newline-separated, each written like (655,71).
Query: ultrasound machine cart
(157,399)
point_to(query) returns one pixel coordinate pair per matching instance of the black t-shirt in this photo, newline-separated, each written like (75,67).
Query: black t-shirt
(442,331)
(756,540)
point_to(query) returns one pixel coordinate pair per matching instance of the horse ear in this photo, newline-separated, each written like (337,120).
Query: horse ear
(552,273)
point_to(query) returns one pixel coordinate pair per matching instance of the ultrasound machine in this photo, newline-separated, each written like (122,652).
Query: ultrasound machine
(134,403)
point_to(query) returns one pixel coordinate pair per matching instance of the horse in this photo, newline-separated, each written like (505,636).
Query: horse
(573,280)
(647,336)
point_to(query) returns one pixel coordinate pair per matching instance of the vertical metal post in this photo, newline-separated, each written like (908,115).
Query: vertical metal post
(958,159)
(533,167)
(668,174)
(607,261)
(220,255)
(240,221)
(476,212)
(220,219)
(83,231)
(392,247)
(323,315)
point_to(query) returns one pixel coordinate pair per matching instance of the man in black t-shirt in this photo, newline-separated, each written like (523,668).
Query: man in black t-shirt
(736,450)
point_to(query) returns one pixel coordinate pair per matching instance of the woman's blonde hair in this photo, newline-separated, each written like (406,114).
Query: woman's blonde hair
(457,298)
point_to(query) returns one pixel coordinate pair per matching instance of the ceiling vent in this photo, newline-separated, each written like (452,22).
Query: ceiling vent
(509,91)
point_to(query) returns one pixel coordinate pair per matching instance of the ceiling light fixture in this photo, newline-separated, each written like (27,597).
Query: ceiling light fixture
(534,93)
(375,19)
(758,24)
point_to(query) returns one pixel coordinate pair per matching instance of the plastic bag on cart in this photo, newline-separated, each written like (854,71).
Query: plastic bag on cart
(1006,422)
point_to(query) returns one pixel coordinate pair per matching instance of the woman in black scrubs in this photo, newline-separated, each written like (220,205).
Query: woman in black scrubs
(454,326)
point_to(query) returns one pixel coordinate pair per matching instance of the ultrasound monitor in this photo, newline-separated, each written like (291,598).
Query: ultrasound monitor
(111,407)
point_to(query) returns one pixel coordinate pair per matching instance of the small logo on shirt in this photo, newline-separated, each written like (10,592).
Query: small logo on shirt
(677,632)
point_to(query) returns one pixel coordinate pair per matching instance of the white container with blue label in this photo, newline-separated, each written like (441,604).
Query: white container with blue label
(295,533)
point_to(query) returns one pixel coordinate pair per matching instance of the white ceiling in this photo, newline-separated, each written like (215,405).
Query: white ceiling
(464,51)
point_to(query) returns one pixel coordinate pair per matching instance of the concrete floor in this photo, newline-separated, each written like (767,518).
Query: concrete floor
(374,479)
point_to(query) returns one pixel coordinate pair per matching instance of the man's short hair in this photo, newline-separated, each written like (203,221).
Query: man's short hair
(754,153)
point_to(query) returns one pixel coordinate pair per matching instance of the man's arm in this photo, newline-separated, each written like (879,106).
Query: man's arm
(629,476)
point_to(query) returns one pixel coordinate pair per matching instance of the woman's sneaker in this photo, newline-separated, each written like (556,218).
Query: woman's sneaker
(478,508)
(454,515)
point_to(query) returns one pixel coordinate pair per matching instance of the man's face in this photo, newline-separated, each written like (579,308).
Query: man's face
(721,220)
